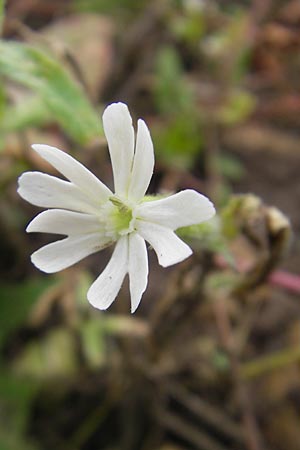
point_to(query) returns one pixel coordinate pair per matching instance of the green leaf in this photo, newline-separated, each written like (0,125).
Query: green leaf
(17,300)
(28,113)
(238,108)
(2,102)
(16,398)
(10,441)
(54,355)
(173,94)
(189,26)
(18,393)
(124,7)
(221,361)
(230,167)
(2,5)
(179,141)
(61,95)
(93,342)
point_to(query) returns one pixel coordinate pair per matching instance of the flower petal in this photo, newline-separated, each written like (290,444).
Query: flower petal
(119,132)
(44,190)
(143,163)
(59,221)
(179,210)
(168,247)
(75,172)
(64,253)
(106,287)
(138,269)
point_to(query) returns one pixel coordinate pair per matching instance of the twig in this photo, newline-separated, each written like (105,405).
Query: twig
(188,432)
(95,419)
(252,433)
(286,280)
(279,278)
(207,412)
(267,363)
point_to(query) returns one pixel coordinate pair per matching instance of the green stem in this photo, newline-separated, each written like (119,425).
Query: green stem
(275,361)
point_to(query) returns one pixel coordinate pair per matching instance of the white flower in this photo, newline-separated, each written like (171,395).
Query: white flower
(92,217)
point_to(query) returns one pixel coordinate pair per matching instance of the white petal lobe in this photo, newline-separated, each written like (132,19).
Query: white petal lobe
(167,245)
(106,287)
(64,253)
(138,269)
(179,210)
(119,132)
(58,221)
(46,191)
(143,163)
(75,172)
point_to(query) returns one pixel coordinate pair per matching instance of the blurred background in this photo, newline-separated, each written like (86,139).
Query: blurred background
(211,359)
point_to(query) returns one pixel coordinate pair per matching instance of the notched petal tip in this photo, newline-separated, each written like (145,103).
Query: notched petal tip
(23,182)
(210,209)
(19,183)
(22,176)
(199,202)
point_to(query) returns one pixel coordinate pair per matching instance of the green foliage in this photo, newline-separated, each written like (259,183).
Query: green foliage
(16,397)
(238,107)
(172,94)
(230,167)
(93,341)
(108,6)
(2,5)
(30,112)
(59,95)
(229,213)
(17,300)
(179,140)
(3,103)
(19,393)
(221,361)
(228,47)
(41,359)
(9,440)
(189,24)
(84,281)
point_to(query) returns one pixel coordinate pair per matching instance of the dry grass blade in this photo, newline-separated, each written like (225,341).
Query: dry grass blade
(188,432)
(207,412)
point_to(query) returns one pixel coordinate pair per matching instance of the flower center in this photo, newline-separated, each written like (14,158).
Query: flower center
(122,216)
